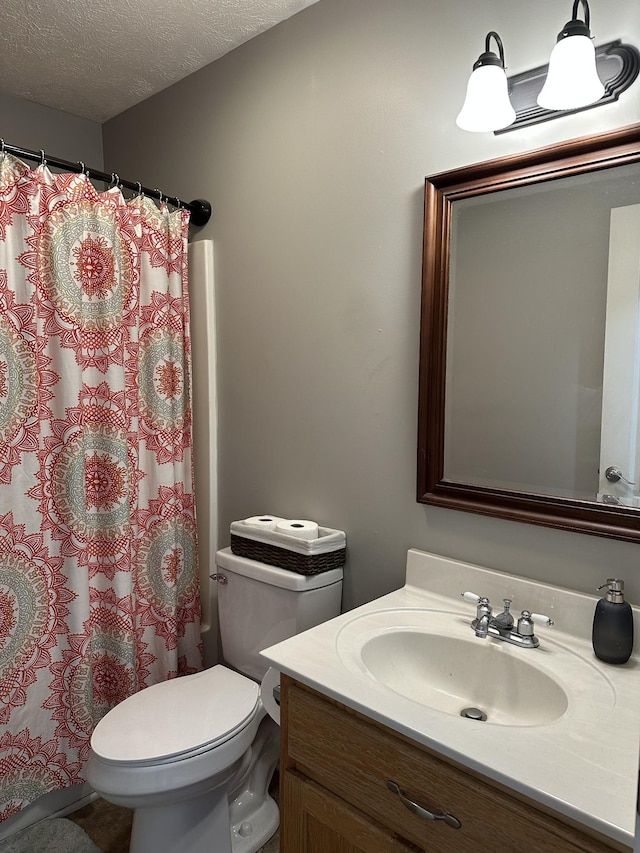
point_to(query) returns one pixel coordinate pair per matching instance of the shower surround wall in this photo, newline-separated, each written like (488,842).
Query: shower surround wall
(312,142)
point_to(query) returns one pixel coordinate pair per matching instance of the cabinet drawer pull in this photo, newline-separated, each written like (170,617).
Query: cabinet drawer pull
(449,819)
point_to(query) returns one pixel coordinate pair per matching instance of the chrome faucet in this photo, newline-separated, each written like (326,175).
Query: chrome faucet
(502,626)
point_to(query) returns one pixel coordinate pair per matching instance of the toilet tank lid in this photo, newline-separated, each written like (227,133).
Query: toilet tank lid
(273,575)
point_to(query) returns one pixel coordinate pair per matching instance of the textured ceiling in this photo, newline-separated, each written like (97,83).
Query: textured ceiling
(96,59)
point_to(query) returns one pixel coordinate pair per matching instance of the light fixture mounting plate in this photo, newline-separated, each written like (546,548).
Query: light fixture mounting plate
(618,66)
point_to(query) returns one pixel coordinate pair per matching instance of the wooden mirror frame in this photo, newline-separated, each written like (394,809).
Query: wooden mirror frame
(575,157)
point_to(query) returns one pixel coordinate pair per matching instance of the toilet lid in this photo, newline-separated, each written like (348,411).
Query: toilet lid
(181,715)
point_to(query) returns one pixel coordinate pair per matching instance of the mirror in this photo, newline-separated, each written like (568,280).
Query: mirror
(529,402)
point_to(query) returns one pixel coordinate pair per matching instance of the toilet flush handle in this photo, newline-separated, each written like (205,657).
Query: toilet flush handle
(218,577)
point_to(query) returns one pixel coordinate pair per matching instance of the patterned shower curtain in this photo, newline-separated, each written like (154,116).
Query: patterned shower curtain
(99,588)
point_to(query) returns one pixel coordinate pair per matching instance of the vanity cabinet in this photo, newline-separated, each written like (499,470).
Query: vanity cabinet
(335,765)
(325,824)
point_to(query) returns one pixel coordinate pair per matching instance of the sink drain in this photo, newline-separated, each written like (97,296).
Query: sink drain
(473,714)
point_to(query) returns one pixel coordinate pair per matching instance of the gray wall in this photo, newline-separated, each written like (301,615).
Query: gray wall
(32,126)
(312,141)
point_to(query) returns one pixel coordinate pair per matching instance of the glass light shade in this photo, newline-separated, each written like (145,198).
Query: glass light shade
(572,80)
(487,106)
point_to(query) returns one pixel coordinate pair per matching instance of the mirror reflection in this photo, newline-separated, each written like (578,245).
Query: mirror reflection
(538,283)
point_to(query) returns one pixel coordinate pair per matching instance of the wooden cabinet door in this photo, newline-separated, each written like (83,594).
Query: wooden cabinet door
(314,821)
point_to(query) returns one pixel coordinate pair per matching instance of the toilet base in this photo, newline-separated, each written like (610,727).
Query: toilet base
(253,813)
(202,824)
(249,836)
(197,825)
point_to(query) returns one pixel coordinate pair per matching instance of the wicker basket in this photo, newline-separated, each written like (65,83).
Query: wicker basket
(306,557)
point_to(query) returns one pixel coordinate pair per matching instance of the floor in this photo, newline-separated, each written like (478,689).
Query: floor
(109,826)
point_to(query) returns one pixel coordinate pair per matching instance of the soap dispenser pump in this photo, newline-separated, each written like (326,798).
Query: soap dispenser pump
(612,634)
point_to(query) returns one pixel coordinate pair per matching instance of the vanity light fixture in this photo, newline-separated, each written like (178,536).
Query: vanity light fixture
(577,77)
(572,80)
(487,105)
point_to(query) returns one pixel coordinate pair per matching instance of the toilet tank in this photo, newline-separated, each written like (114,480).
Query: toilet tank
(260,605)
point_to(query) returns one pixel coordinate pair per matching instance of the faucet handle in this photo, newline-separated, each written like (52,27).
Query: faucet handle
(471,596)
(542,619)
(483,609)
(526,620)
(479,600)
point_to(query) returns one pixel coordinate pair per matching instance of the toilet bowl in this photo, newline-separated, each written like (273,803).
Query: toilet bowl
(197,782)
(194,755)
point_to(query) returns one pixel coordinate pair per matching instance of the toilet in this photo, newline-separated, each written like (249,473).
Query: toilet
(194,755)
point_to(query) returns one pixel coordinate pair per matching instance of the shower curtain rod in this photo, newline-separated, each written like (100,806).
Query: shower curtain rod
(199,208)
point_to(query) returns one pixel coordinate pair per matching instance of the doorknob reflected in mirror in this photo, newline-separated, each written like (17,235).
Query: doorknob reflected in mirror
(614,475)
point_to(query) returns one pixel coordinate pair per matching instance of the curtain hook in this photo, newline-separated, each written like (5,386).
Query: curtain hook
(179,203)
(139,185)
(115,181)
(43,159)
(83,170)
(159,195)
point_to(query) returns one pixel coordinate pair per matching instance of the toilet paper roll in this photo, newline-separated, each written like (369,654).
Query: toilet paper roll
(270,682)
(264,522)
(298,527)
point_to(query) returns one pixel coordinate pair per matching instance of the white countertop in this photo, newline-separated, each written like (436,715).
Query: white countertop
(583,765)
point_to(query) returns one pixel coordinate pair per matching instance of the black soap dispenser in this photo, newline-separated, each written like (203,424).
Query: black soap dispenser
(612,635)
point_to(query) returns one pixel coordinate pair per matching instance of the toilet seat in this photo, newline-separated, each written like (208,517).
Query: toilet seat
(166,722)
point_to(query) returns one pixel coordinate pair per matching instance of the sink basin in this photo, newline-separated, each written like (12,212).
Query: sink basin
(450,674)
(433,658)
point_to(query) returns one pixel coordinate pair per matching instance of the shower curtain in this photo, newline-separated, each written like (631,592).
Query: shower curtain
(98,569)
